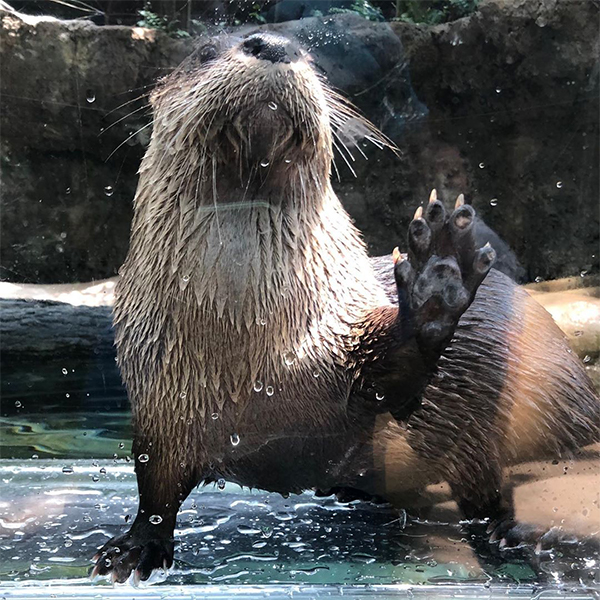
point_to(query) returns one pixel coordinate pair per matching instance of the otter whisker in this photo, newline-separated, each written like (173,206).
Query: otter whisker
(336,146)
(130,137)
(122,119)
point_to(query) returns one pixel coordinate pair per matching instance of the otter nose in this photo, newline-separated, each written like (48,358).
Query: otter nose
(268,47)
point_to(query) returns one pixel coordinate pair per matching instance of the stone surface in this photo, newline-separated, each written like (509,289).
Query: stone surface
(502,106)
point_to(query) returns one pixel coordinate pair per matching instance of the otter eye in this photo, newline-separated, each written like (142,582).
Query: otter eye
(208,52)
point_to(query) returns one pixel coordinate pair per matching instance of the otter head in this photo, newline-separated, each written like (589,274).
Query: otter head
(250,112)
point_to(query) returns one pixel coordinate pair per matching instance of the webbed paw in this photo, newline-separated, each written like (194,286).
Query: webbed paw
(139,551)
(438,278)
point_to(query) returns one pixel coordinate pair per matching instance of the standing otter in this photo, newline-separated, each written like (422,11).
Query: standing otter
(261,345)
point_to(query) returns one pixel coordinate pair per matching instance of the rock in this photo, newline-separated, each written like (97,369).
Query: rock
(501,106)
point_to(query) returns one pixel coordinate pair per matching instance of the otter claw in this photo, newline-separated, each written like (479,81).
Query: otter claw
(460,200)
(433,195)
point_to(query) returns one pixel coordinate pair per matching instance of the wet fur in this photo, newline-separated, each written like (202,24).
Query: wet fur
(244,279)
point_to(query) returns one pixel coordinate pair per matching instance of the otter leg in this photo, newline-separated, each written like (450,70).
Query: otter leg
(436,282)
(163,485)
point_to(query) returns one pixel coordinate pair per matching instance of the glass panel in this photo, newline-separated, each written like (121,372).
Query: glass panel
(263,350)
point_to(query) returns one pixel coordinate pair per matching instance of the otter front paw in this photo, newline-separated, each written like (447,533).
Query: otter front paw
(438,278)
(140,551)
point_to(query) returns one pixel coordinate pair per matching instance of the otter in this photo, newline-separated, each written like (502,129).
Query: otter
(260,344)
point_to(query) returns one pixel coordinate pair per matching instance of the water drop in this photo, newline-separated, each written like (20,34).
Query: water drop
(264,163)
(90,96)
(182,395)
(18,404)
(559,184)
(272,106)
(221,484)
(67,470)
(481,165)
(214,416)
(379,396)
(67,395)
(587,358)
(185,278)
(287,161)
(498,90)
(235,439)
(155,519)
(65,372)
(316,374)
(269,390)
(121,445)
(143,458)
(109,190)
(494,202)
(68,191)
(583,273)
(95,478)
(289,358)
(258,386)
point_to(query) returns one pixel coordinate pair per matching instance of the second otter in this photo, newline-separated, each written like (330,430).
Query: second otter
(261,345)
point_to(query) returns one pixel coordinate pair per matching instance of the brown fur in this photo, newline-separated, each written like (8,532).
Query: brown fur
(247,297)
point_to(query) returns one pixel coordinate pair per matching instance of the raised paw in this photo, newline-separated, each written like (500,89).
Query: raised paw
(138,551)
(438,278)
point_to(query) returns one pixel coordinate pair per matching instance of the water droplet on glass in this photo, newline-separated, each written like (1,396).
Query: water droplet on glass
(214,416)
(90,96)
(182,395)
(67,395)
(185,278)
(481,165)
(18,404)
(221,484)
(287,161)
(272,106)
(498,90)
(316,374)
(95,478)
(587,358)
(264,163)
(68,191)
(235,439)
(269,390)
(559,184)
(155,519)
(258,386)
(289,358)
(65,372)
(494,202)
(379,396)
(143,458)
(109,190)
(67,470)
(121,445)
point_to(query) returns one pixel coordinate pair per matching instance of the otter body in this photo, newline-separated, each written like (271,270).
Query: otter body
(261,345)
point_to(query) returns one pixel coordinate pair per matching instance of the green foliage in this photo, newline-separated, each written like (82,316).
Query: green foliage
(363,8)
(434,12)
(151,20)
(255,14)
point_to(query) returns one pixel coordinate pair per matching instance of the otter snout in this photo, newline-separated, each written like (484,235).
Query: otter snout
(272,48)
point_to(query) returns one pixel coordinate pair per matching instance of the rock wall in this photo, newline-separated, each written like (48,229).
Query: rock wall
(501,105)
